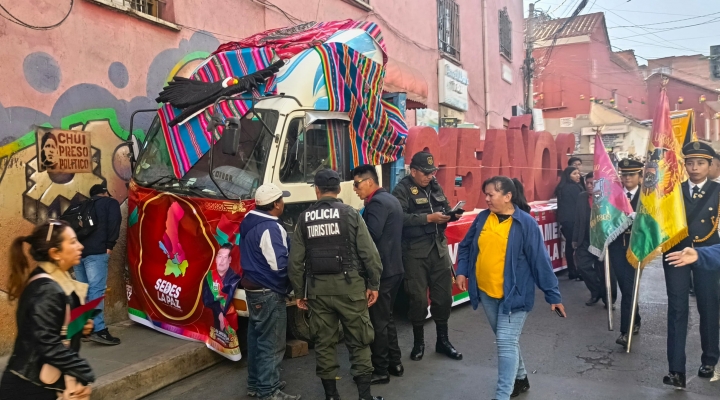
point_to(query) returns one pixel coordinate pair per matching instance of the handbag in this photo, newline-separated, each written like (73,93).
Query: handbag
(50,374)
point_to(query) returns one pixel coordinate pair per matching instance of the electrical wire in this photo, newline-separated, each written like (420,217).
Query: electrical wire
(661,23)
(20,22)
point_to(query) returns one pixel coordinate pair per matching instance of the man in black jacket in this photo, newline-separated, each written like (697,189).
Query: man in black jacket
(383,216)
(93,267)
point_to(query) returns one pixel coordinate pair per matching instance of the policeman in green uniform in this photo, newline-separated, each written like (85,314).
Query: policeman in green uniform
(425,253)
(335,271)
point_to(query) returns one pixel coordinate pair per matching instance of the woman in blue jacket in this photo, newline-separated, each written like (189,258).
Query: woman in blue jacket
(500,261)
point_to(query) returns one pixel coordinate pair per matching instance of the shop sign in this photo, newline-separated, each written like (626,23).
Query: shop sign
(566,122)
(453,85)
(63,151)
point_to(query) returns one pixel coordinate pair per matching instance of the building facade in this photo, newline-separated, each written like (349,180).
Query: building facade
(109,58)
(575,68)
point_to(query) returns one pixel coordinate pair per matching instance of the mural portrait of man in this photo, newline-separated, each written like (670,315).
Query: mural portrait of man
(48,151)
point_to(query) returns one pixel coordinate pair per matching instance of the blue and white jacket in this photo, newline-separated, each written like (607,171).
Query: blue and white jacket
(264,250)
(527,264)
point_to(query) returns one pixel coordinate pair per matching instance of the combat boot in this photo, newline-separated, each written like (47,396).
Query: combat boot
(418,349)
(330,386)
(443,344)
(363,384)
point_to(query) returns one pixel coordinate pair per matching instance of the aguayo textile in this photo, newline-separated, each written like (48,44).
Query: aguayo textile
(288,42)
(354,83)
(660,222)
(189,141)
(609,216)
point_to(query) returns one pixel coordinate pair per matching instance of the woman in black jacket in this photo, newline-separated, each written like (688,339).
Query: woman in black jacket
(567,192)
(44,294)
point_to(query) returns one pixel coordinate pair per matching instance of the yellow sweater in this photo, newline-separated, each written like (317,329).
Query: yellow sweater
(490,265)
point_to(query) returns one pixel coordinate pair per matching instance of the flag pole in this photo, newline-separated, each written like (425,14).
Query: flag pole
(608,291)
(636,292)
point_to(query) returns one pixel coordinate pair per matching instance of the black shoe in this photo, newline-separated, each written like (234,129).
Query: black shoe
(443,344)
(605,306)
(418,349)
(636,329)
(521,386)
(692,292)
(706,371)
(593,301)
(622,340)
(379,379)
(363,385)
(675,379)
(104,337)
(330,386)
(578,278)
(396,370)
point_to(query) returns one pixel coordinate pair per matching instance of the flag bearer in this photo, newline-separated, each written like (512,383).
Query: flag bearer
(630,175)
(701,197)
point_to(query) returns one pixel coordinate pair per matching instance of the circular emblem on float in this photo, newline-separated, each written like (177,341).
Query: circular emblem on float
(175,255)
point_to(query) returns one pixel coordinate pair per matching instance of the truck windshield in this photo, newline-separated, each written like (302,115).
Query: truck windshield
(236,175)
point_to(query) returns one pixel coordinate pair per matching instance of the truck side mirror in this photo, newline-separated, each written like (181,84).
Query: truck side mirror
(231,137)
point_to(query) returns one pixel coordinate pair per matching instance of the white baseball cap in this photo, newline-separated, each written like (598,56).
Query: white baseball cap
(268,193)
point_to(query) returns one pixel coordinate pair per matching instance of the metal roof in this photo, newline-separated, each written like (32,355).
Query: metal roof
(580,25)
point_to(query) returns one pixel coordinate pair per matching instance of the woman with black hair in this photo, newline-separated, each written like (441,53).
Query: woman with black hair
(567,193)
(45,361)
(500,260)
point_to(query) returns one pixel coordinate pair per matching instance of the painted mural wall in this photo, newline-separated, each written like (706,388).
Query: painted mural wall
(101,64)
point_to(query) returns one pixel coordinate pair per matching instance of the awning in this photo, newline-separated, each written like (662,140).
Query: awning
(402,78)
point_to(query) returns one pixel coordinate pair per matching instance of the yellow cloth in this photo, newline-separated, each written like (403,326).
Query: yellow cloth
(490,265)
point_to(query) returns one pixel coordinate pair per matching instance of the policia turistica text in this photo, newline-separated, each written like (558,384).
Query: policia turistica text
(425,253)
(335,271)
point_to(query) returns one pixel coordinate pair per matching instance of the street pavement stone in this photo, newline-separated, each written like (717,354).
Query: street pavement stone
(573,358)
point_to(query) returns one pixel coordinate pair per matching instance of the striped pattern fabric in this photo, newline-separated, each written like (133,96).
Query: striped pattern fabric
(189,141)
(355,83)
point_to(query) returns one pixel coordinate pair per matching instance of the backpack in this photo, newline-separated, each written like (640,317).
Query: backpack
(82,218)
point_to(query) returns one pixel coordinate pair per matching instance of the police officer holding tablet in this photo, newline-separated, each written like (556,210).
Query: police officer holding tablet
(426,213)
(335,271)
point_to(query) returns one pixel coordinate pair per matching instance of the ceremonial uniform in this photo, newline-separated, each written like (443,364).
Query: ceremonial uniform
(702,210)
(425,256)
(333,260)
(621,268)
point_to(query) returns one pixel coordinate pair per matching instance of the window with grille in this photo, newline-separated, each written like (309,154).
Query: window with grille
(505,28)
(149,7)
(449,28)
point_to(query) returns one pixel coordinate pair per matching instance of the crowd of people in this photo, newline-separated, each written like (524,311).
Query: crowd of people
(688,267)
(346,267)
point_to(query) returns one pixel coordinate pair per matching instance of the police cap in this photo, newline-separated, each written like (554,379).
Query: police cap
(423,161)
(698,150)
(628,166)
(327,177)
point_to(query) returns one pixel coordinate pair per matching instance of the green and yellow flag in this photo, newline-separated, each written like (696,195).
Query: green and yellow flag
(660,220)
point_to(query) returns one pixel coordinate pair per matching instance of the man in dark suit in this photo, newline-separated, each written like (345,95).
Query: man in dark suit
(701,197)
(631,176)
(588,265)
(383,216)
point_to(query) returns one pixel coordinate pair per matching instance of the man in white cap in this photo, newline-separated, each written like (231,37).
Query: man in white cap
(264,249)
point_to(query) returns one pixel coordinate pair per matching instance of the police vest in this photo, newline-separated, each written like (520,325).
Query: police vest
(425,201)
(702,216)
(327,239)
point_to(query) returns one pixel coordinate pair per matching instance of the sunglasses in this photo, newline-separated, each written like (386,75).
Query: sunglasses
(52,223)
(356,184)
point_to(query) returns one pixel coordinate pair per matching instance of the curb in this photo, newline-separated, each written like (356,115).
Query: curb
(153,374)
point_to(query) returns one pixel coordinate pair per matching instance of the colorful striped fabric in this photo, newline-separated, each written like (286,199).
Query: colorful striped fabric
(355,85)
(189,141)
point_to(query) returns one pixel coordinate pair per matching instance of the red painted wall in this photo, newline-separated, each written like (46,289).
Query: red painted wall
(586,69)
(691,99)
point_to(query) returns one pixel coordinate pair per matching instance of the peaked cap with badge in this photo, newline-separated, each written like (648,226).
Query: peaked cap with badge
(628,166)
(423,161)
(698,150)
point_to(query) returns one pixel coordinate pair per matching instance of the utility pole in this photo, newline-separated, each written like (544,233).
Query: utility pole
(529,62)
